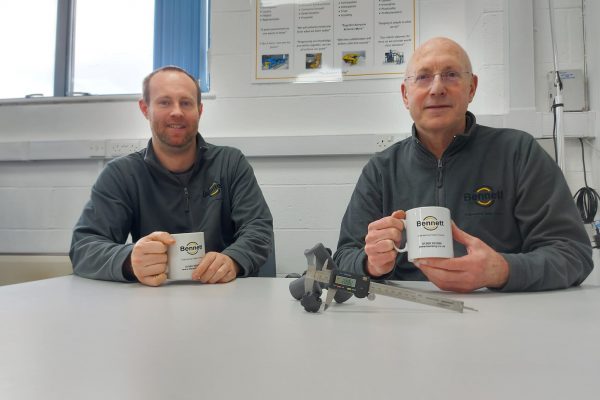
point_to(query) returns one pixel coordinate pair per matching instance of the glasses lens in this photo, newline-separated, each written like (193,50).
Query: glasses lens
(423,79)
(450,76)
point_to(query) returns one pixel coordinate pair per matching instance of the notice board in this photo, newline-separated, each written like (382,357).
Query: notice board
(313,41)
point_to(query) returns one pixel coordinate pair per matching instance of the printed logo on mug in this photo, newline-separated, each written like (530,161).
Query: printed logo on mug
(184,255)
(428,233)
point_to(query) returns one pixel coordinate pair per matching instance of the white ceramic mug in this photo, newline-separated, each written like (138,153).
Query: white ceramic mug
(184,255)
(428,233)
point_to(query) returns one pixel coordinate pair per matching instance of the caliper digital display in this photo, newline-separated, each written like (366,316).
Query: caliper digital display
(358,285)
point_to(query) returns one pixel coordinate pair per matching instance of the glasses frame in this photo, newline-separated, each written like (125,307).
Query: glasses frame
(429,78)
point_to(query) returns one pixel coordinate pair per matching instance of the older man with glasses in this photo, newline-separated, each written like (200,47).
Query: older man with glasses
(516,225)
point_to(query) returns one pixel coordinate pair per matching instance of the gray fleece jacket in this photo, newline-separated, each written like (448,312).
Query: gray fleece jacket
(136,195)
(499,185)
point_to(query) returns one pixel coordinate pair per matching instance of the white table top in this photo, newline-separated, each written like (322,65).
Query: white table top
(73,338)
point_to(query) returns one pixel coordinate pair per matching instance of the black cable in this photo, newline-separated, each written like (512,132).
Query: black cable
(554,131)
(553,107)
(586,198)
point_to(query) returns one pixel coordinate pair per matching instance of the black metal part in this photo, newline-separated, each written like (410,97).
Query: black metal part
(311,302)
(297,288)
(322,256)
(318,256)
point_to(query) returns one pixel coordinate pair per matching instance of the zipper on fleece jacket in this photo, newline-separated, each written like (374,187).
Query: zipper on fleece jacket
(187,206)
(440,182)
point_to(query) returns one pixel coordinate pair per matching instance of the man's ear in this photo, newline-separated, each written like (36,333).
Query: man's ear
(473,87)
(200,109)
(404,95)
(143,107)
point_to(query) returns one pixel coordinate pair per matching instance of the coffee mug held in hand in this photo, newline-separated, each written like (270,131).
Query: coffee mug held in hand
(184,255)
(428,233)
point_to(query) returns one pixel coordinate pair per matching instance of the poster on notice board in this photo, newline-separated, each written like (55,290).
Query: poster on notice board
(335,40)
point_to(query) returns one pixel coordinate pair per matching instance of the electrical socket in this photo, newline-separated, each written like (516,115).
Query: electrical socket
(123,147)
(383,142)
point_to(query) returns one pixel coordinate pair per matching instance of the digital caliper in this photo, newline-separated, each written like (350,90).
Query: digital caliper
(322,273)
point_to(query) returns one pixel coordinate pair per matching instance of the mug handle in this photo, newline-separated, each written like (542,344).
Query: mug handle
(405,248)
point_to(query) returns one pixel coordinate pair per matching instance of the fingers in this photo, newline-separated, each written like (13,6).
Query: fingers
(224,274)
(149,258)
(216,268)
(386,230)
(381,257)
(388,236)
(140,259)
(451,264)
(154,280)
(205,263)
(387,223)
(383,237)
(381,246)
(474,246)
(463,237)
(154,275)
(481,267)
(455,281)
(155,268)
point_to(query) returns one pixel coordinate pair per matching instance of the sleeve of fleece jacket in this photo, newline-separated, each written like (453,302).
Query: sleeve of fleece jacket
(98,247)
(251,217)
(365,207)
(556,251)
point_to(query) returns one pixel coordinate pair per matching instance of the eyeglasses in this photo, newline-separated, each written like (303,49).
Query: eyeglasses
(426,79)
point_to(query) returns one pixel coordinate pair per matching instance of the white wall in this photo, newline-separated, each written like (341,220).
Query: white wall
(307,195)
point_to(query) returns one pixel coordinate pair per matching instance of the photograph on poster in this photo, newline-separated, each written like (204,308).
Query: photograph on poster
(275,61)
(354,58)
(313,60)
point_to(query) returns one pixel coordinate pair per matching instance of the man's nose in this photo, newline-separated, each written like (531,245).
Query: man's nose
(176,110)
(437,85)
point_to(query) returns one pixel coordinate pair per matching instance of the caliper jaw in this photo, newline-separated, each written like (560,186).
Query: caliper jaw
(319,259)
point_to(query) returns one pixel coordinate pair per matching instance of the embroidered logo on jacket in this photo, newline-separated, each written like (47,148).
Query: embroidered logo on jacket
(213,190)
(484,196)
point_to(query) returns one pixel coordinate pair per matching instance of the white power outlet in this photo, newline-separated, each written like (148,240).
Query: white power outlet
(383,142)
(573,91)
(123,147)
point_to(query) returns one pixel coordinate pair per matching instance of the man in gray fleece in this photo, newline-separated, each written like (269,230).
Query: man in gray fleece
(516,225)
(179,183)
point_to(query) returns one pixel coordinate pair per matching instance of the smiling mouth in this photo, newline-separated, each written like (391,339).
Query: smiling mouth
(176,126)
(437,106)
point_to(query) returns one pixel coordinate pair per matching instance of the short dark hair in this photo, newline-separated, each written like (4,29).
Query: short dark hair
(146,83)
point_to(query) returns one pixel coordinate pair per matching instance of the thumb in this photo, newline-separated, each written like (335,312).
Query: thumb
(461,236)
(399,214)
(163,237)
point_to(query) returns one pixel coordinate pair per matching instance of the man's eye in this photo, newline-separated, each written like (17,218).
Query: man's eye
(422,77)
(452,74)
(163,103)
